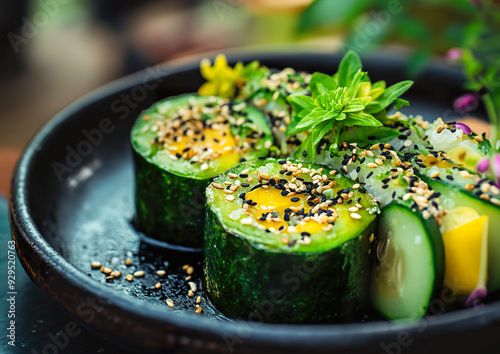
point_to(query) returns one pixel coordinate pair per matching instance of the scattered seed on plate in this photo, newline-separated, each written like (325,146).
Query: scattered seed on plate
(109,278)
(190,270)
(192,286)
(116,274)
(106,270)
(170,303)
(139,273)
(129,277)
(356,216)
(198,299)
(157,285)
(198,309)
(188,278)
(161,272)
(95,265)
(128,262)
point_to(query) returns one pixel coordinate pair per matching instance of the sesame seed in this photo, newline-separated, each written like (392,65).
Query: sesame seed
(372,165)
(161,272)
(190,270)
(139,273)
(192,286)
(109,278)
(217,185)
(106,270)
(232,175)
(157,285)
(355,216)
(95,265)
(495,201)
(353,209)
(198,299)
(479,138)
(264,176)
(188,278)
(295,199)
(379,162)
(204,167)
(246,221)
(434,174)
(268,144)
(469,187)
(407,143)
(230,198)
(116,274)
(170,303)
(198,309)
(129,277)
(484,197)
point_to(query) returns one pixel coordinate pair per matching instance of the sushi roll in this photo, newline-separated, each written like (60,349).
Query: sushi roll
(179,145)
(290,245)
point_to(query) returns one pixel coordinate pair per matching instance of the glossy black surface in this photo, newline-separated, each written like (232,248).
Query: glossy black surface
(69,208)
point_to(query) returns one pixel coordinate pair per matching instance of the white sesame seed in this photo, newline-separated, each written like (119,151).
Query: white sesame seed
(170,303)
(139,273)
(408,143)
(246,221)
(192,286)
(356,216)
(204,167)
(230,198)
(372,165)
(353,209)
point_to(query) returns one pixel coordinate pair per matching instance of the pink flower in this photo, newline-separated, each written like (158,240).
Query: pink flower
(463,127)
(466,103)
(483,165)
(454,54)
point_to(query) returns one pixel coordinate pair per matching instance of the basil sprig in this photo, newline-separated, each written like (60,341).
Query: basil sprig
(345,99)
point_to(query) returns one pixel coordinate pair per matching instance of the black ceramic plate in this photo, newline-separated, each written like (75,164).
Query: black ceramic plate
(72,203)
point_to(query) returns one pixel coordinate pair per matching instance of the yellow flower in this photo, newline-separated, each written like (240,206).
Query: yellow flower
(221,78)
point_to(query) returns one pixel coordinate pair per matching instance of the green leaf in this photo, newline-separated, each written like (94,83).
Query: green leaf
(304,102)
(356,80)
(363,119)
(389,95)
(356,104)
(319,78)
(291,129)
(399,102)
(350,64)
(315,136)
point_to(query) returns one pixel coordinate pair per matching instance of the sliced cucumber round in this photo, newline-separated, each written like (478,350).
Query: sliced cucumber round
(409,263)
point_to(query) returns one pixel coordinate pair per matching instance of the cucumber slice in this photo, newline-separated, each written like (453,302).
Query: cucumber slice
(180,144)
(409,263)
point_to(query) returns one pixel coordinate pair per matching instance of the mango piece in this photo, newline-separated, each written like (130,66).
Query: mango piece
(466,256)
(457,217)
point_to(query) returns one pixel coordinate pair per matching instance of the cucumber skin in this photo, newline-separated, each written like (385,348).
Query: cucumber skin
(245,281)
(169,208)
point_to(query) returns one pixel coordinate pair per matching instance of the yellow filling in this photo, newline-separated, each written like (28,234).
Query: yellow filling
(269,200)
(431,160)
(465,155)
(219,140)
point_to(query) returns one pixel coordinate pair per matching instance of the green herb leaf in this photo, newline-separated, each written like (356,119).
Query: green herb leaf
(350,64)
(327,81)
(388,96)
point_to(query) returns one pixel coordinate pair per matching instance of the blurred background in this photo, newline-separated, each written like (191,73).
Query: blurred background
(54,51)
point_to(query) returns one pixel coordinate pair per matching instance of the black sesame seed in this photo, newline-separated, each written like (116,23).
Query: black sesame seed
(449,177)
(385,186)
(261,157)
(369,175)
(242,160)
(284,193)
(242,196)
(245,184)
(243,175)
(305,233)
(282,162)
(295,199)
